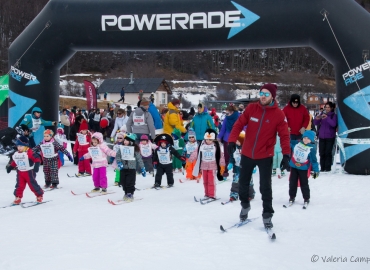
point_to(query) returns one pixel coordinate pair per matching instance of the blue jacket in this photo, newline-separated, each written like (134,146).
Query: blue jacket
(224,132)
(29,123)
(156,116)
(201,122)
(311,158)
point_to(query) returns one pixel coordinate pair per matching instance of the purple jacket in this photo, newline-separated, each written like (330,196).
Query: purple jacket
(328,126)
(228,121)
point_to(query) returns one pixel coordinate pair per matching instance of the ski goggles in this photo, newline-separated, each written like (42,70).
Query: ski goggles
(266,94)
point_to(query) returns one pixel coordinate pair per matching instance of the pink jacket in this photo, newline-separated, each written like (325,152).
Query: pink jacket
(207,165)
(106,151)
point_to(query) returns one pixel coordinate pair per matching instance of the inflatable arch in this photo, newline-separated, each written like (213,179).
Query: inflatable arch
(337,29)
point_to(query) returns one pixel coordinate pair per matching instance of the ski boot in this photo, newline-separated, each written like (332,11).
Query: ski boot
(17,200)
(95,189)
(244,212)
(39,199)
(103,191)
(267,220)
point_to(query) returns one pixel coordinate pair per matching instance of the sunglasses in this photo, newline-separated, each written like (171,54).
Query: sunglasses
(266,94)
(190,137)
(119,138)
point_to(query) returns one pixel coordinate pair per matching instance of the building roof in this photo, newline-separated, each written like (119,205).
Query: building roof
(148,85)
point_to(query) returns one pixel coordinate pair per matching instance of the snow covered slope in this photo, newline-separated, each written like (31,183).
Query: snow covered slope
(168,230)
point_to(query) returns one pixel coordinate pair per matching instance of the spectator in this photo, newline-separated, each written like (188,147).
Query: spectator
(64,119)
(119,123)
(122,95)
(158,124)
(201,122)
(172,118)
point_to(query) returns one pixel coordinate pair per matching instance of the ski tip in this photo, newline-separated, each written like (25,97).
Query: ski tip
(284,206)
(222,228)
(181,181)
(273,236)
(73,193)
(87,194)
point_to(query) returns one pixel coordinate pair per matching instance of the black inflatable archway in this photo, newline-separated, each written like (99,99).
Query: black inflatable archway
(337,29)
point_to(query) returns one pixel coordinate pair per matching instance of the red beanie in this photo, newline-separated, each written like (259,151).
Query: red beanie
(104,122)
(175,102)
(83,126)
(271,87)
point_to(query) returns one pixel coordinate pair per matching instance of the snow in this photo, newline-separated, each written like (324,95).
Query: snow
(168,230)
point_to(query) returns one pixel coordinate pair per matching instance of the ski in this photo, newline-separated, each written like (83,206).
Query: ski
(70,176)
(119,202)
(289,205)
(97,194)
(82,175)
(182,181)
(10,205)
(222,181)
(270,233)
(237,225)
(51,189)
(223,203)
(305,205)
(281,176)
(203,202)
(77,194)
(196,200)
(31,204)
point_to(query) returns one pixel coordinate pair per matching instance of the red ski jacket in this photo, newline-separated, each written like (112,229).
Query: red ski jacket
(297,118)
(263,123)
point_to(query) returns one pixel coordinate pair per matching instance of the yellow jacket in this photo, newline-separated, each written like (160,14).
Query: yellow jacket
(172,120)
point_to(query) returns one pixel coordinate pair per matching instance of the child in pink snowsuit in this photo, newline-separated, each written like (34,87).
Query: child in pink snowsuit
(98,152)
(211,161)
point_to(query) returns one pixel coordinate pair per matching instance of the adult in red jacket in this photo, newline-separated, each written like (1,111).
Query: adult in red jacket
(297,117)
(265,120)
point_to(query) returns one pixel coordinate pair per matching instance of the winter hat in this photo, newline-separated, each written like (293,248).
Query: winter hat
(175,102)
(22,141)
(210,134)
(295,98)
(25,127)
(104,122)
(191,132)
(164,137)
(49,132)
(309,134)
(83,126)
(98,136)
(131,137)
(144,138)
(144,102)
(271,87)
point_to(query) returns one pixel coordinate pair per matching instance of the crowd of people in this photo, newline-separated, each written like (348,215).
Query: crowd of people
(209,146)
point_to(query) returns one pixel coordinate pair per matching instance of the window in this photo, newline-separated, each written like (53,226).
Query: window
(163,99)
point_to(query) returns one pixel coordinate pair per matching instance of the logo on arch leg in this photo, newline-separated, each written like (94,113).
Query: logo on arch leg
(249,18)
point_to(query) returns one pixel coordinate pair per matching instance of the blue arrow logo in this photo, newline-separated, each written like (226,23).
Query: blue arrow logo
(249,18)
(32,82)
(359,102)
(22,105)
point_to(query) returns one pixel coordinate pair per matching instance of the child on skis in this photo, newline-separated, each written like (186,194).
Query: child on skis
(162,159)
(127,159)
(81,146)
(178,144)
(49,149)
(61,138)
(27,164)
(210,160)
(120,136)
(98,152)
(278,157)
(234,164)
(304,156)
(190,147)
(146,151)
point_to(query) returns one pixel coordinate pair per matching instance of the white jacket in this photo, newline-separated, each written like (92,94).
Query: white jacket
(118,124)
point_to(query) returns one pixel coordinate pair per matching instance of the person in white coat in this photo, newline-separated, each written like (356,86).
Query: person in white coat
(119,123)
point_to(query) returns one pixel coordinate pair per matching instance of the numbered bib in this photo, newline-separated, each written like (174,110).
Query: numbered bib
(127,152)
(82,139)
(139,120)
(21,159)
(48,150)
(176,144)
(36,123)
(60,139)
(145,150)
(301,152)
(191,147)
(164,156)
(97,117)
(96,153)
(237,157)
(208,152)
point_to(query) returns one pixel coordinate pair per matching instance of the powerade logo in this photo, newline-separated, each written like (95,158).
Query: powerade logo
(355,74)
(18,74)
(4,87)
(182,21)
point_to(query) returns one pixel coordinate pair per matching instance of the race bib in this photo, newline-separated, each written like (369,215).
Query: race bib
(164,156)
(96,153)
(145,150)
(97,117)
(209,152)
(139,120)
(82,140)
(60,139)
(301,152)
(191,147)
(127,152)
(48,150)
(36,123)
(21,159)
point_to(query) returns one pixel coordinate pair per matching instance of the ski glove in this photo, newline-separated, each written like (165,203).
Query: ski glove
(315,175)
(81,158)
(120,165)
(112,139)
(231,148)
(8,168)
(255,170)
(70,157)
(284,165)
(155,165)
(230,166)
(143,172)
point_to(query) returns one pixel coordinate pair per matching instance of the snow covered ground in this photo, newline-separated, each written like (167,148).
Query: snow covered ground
(168,230)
